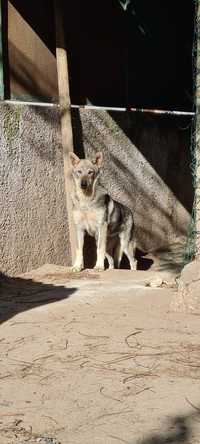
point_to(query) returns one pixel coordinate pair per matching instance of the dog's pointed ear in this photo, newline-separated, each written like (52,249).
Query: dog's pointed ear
(74,159)
(98,160)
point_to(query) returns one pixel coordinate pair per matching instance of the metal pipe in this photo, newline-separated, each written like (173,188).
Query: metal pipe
(22,102)
(102,108)
(140,110)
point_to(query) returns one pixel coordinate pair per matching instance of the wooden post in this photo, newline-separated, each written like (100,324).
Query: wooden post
(65,113)
(197,146)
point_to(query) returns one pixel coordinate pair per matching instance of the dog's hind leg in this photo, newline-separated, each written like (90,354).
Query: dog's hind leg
(128,248)
(110,261)
(133,246)
(118,254)
(130,253)
(101,246)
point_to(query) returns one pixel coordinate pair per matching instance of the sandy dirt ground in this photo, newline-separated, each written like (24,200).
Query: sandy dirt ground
(96,359)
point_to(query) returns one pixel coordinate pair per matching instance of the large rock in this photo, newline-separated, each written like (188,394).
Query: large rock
(187,299)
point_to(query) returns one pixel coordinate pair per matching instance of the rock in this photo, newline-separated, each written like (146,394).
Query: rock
(170,284)
(155,282)
(187,298)
(46,440)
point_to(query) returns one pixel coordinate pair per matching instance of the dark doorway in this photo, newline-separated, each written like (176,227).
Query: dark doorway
(131,53)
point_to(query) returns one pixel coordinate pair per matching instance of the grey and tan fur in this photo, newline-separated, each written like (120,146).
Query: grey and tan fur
(96,213)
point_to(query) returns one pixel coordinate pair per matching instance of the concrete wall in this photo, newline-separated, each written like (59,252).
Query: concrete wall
(33,220)
(147,168)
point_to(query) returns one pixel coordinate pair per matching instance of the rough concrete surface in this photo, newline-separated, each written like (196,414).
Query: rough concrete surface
(33,220)
(96,358)
(187,299)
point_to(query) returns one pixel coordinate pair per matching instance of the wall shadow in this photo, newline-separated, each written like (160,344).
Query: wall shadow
(18,295)
(176,429)
(164,141)
(179,430)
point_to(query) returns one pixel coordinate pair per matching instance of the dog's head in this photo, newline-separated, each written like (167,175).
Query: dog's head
(86,171)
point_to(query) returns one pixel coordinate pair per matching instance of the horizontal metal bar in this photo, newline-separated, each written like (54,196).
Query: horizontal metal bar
(102,108)
(163,111)
(106,108)
(22,102)
(142,110)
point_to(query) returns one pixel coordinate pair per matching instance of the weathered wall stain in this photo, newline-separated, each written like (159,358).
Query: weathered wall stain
(11,123)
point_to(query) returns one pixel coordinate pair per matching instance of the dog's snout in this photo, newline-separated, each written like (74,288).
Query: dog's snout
(84,184)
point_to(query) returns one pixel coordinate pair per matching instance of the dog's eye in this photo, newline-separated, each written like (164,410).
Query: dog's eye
(90,172)
(79,172)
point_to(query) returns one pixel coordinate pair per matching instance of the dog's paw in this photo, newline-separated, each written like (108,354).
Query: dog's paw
(98,269)
(134,266)
(76,269)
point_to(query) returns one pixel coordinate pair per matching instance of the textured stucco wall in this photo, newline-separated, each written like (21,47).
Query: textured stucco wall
(146,167)
(33,220)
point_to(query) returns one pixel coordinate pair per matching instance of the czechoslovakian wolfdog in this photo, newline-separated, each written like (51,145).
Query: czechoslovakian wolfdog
(96,213)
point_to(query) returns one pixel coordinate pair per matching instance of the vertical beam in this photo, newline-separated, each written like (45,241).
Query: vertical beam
(65,113)
(197,141)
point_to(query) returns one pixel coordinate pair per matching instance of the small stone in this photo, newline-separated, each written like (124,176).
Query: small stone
(154,283)
(46,440)
(169,284)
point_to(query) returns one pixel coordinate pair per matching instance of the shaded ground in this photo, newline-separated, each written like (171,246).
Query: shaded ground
(96,359)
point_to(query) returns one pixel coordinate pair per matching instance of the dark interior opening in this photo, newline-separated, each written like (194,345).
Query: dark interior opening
(121,53)
(130,53)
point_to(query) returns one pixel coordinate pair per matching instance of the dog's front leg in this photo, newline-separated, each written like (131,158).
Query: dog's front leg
(78,265)
(101,246)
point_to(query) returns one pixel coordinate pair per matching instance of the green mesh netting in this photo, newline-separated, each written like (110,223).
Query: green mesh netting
(190,249)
